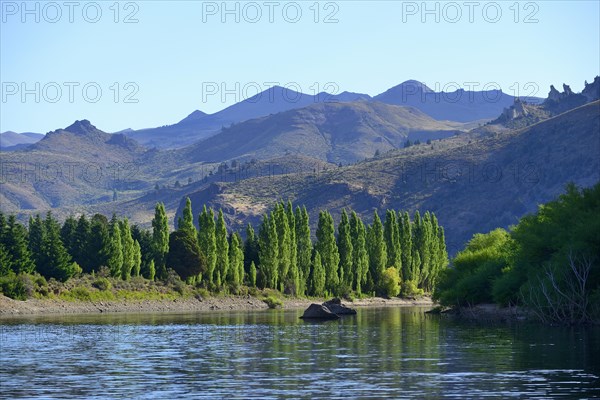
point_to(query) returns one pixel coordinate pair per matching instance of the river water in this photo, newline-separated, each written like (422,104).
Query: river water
(387,352)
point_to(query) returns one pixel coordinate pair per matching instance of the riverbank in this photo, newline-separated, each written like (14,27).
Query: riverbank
(489,313)
(10,307)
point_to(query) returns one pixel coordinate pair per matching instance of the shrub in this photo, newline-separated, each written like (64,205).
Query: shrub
(390,282)
(80,293)
(410,289)
(14,286)
(273,302)
(102,284)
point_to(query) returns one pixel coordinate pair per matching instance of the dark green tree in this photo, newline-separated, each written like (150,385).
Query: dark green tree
(304,248)
(328,251)
(98,244)
(250,248)
(222,266)
(16,245)
(185,256)
(55,261)
(360,256)
(80,243)
(160,240)
(36,240)
(345,248)
(207,241)
(377,251)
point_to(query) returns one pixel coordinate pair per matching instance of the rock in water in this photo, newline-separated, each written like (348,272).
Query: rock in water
(335,306)
(317,311)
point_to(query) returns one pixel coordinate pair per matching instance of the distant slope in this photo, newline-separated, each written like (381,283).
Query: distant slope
(199,125)
(334,132)
(11,140)
(471,186)
(459,105)
(73,166)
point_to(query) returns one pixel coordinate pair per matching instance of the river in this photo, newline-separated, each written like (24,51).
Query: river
(397,352)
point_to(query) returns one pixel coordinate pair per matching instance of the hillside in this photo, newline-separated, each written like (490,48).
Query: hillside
(10,140)
(199,125)
(334,132)
(472,186)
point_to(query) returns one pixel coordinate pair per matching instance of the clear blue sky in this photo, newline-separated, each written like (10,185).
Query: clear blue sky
(177,48)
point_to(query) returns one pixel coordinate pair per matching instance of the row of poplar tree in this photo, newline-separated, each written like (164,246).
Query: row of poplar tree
(280,255)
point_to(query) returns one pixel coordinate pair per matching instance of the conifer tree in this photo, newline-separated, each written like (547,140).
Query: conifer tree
(345,248)
(127,244)
(328,251)
(36,240)
(5,260)
(207,241)
(160,240)
(79,245)
(67,234)
(222,248)
(16,245)
(97,246)
(360,257)
(55,261)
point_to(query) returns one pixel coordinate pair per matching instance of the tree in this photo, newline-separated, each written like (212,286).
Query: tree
(377,251)
(15,244)
(345,248)
(293,276)
(392,240)
(127,244)
(114,250)
(252,275)
(207,241)
(360,257)
(405,231)
(55,261)
(79,245)
(236,260)
(390,282)
(283,244)
(187,221)
(137,259)
(250,248)
(328,251)
(185,256)
(160,239)
(222,265)
(144,239)
(303,248)
(67,234)
(98,243)
(318,276)
(36,239)
(268,251)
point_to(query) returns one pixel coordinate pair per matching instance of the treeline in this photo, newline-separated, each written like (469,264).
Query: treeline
(549,263)
(398,254)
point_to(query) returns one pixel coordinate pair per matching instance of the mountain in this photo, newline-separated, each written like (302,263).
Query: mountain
(199,125)
(10,140)
(459,105)
(472,185)
(76,165)
(343,132)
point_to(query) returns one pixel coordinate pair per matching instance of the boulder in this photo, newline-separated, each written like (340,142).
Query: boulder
(318,311)
(335,306)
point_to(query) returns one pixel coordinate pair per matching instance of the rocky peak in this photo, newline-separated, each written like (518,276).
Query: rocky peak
(592,90)
(82,127)
(554,94)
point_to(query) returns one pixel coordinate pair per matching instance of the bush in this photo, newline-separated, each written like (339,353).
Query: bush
(273,302)
(15,286)
(102,284)
(80,293)
(410,289)
(390,282)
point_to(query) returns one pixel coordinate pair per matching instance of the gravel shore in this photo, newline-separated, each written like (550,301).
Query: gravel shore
(10,307)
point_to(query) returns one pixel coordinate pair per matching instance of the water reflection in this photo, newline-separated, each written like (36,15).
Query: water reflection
(390,352)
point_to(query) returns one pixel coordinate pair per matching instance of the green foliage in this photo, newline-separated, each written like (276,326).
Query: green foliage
(184,255)
(318,276)
(102,284)
(114,250)
(268,251)
(160,239)
(474,269)
(410,289)
(273,302)
(13,286)
(128,249)
(303,248)
(207,241)
(377,251)
(252,275)
(15,244)
(326,246)
(222,265)
(187,222)
(390,282)
(236,261)
(360,257)
(391,234)
(345,248)
(54,260)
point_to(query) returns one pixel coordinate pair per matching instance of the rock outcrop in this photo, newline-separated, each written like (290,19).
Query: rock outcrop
(318,311)
(335,306)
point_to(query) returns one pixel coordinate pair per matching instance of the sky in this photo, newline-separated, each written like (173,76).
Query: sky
(139,64)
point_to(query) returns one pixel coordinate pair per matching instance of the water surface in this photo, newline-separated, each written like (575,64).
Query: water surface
(388,352)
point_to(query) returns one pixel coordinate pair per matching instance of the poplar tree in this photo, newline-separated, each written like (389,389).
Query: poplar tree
(377,251)
(160,240)
(250,248)
(137,259)
(252,274)
(128,249)
(236,260)
(268,251)
(222,265)
(405,231)
(207,241)
(392,241)
(318,276)
(283,244)
(328,251)
(345,248)
(114,260)
(293,272)
(187,221)
(360,257)
(304,247)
